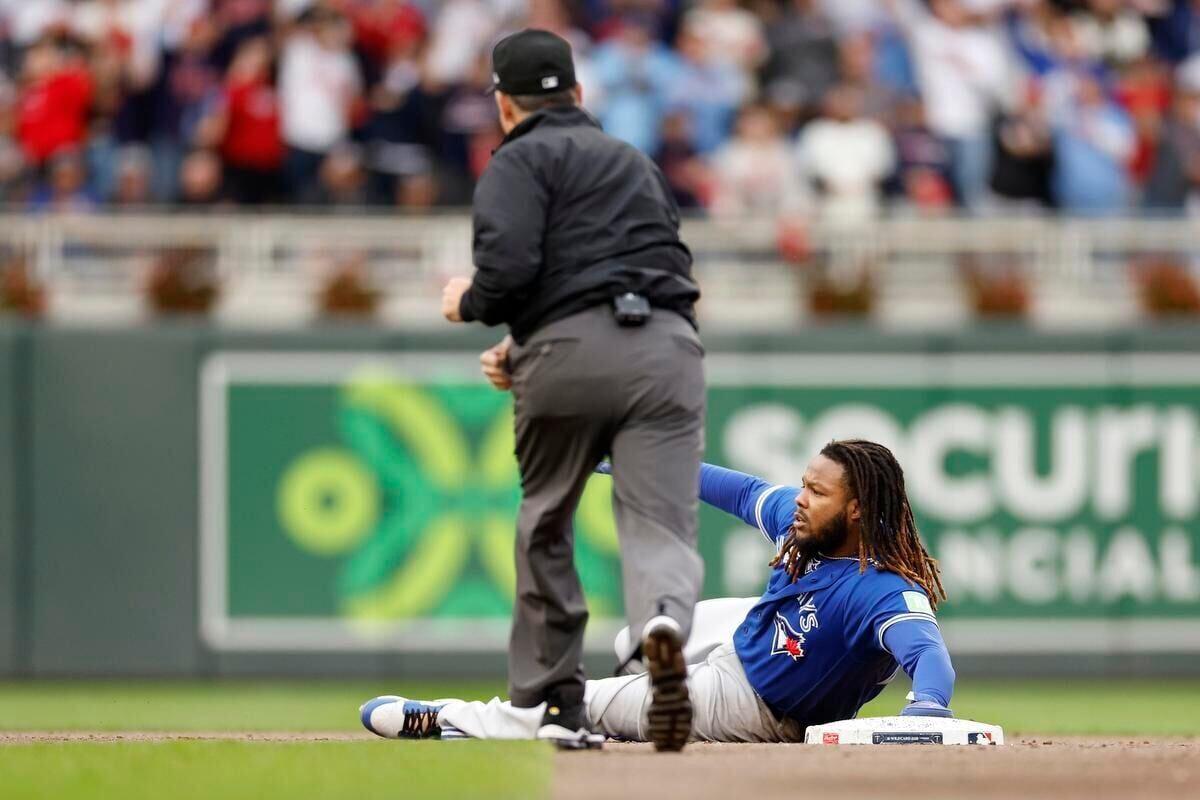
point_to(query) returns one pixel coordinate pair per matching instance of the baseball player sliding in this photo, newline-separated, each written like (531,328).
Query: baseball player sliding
(849,603)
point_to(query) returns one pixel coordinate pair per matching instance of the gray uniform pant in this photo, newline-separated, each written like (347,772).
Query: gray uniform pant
(727,709)
(583,388)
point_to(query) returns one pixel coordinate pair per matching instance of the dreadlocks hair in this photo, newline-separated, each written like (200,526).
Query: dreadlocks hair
(889,532)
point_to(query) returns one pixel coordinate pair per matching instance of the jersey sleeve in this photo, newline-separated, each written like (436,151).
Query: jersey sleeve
(917,646)
(884,600)
(509,220)
(768,507)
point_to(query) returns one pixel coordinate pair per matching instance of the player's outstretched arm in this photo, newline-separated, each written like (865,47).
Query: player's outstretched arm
(917,644)
(768,507)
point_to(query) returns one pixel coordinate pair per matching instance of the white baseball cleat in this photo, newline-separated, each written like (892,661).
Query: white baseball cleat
(395,717)
(670,712)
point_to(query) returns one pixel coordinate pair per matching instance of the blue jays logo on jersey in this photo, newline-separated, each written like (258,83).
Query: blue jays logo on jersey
(788,640)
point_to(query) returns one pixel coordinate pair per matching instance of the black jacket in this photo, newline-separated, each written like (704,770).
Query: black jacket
(566,217)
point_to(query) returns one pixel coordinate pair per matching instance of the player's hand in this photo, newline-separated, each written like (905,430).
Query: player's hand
(452,298)
(926,708)
(494,362)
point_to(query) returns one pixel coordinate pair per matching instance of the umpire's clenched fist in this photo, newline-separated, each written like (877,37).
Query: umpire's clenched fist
(452,298)
(494,361)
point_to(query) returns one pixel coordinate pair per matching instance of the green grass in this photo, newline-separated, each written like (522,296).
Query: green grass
(1085,707)
(232,770)
(212,706)
(297,771)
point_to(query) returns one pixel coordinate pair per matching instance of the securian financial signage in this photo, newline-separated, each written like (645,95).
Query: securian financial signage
(365,501)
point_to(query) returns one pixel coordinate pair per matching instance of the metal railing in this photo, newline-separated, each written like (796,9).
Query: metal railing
(93,266)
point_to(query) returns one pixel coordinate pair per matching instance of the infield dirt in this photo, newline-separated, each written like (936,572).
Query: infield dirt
(1027,768)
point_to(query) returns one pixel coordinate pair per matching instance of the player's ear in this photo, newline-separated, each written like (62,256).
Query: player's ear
(853,511)
(507,111)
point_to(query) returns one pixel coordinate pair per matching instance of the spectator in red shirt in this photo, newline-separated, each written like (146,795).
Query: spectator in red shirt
(245,127)
(55,99)
(1144,91)
(382,26)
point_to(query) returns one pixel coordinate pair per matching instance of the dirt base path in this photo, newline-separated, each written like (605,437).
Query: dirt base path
(1029,768)
(1026,768)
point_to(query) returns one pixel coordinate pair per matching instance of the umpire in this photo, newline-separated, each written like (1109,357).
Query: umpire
(577,250)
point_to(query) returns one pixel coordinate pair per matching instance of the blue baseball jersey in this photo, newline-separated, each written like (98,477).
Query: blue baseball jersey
(817,649)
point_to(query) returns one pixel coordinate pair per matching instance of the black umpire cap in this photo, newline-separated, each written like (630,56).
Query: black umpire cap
(532,61)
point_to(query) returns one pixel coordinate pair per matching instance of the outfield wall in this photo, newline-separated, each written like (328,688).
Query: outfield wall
(12,451)
(187,500)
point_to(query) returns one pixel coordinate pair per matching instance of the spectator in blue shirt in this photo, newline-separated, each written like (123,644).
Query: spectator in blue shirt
(709,91)
(635,72)
(1094,140)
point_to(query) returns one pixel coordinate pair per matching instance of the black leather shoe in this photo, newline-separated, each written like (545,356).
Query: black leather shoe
(565,727)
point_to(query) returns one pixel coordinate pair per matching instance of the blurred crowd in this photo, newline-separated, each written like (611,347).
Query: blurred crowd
(830,108)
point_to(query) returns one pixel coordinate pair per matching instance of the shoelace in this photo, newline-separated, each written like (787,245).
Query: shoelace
(419,723)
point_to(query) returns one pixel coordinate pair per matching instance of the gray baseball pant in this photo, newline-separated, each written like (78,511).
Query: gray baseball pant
(584,388)
(727,709)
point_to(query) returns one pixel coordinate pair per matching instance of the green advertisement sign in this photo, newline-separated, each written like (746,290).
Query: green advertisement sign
(367,501)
